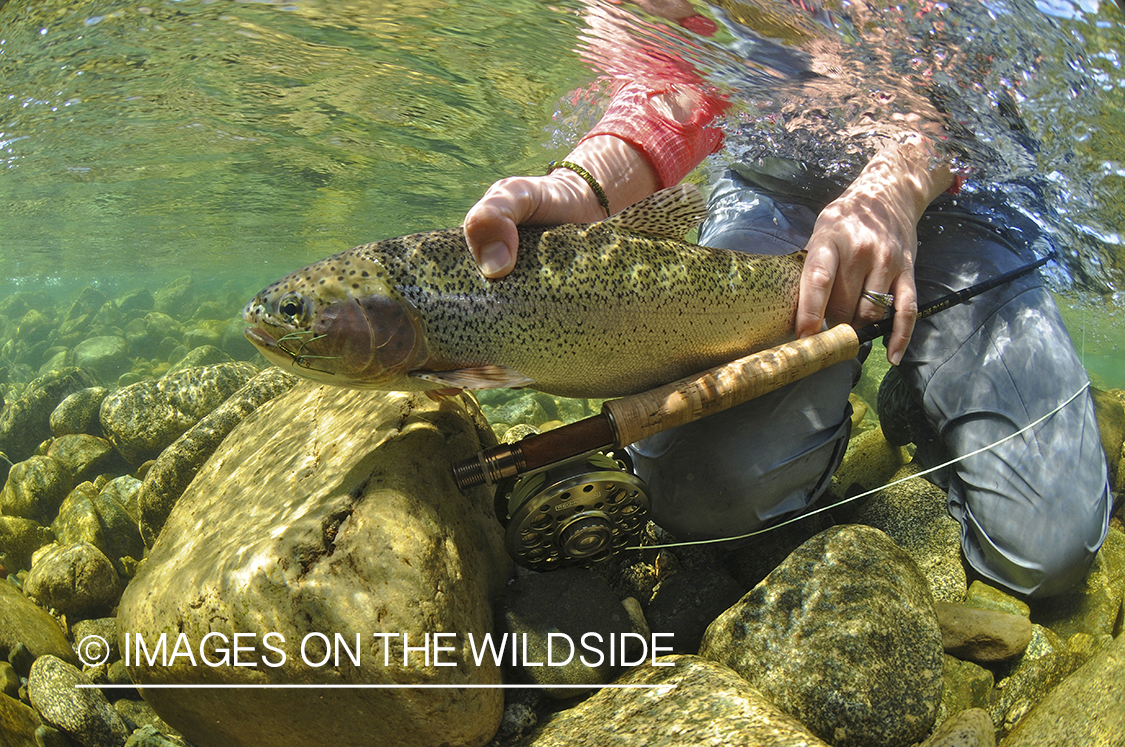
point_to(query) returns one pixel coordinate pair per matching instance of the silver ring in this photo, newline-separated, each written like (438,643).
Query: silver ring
(882,300)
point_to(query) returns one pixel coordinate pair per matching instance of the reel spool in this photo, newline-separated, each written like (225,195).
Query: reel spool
(580,511)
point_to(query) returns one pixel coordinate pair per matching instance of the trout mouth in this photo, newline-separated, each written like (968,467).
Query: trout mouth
(260,339)
(293,353)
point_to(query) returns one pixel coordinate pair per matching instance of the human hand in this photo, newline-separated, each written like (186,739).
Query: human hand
(866,240)
(562,196)
(863,241)
(490,225)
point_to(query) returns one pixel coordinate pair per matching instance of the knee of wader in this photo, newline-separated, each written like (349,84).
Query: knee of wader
(1037,556)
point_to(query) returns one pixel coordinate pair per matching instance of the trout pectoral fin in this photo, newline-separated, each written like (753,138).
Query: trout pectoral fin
(481,377)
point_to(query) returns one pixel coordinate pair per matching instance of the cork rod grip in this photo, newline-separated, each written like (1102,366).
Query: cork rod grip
(646,414)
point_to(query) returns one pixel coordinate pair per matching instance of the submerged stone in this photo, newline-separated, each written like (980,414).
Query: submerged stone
(842,636)
(19,539)
(915,516)
(25,422)
(331,511)
(35,489)
(982,635)
(177,465)
(24,622)
(83,713)
(1088,708)
(203,355)
(703,704)
(550,613)
(106,356)
(83,456)
(77,580)
(143,419)
(78,413)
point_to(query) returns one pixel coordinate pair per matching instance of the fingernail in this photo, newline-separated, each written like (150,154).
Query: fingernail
(895,357)
(494,257)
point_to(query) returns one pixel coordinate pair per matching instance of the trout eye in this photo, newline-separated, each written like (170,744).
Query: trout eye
(291,307)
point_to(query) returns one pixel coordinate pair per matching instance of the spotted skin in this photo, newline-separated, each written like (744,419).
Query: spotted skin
(595,310)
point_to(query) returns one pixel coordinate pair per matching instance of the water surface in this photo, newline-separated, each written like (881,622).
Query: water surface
(236,141)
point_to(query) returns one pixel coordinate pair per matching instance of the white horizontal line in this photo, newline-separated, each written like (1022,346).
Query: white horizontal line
(366,687)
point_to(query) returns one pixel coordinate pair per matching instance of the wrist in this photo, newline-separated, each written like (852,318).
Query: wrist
(908,174)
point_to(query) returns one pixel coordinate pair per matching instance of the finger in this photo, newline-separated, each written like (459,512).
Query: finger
(490,226)
(906,314)
(817,279)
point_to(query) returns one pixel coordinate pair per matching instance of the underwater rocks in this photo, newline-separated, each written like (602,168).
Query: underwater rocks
(25,422)
(143,419)
(914,514)
(331,511)
(702,703)
(842,635)
(107,356)
(78,413)
(78,580)
(19,538)
(83,713)
(177,465)
(1088,708)
(551,611)
(106,519)
(982,635)
(35,489)
(23,622)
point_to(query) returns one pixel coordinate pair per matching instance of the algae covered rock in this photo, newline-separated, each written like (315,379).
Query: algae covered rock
(143,419)
(842,636)
(1087,708)
(83,456)
(704,704)
(24,622)
(328,512)
(25,422)
(19,538)
(177,465)
(35,489)
(77,580)
(102,519)
(78,412)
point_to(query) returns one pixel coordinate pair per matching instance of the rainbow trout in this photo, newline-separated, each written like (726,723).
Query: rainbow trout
(594,310)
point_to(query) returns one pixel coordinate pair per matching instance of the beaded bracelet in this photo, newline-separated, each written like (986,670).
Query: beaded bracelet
(587,177)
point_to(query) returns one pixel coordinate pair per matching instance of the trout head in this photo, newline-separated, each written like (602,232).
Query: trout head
(338,321)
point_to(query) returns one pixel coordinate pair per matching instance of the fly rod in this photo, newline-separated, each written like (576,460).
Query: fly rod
(629,419)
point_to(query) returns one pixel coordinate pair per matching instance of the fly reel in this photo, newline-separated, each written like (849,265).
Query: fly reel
(579,511)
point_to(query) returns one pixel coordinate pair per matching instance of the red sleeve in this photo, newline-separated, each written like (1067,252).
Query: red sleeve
(674,148)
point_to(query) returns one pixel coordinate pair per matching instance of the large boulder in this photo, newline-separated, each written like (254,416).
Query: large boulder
(327,512)
(842,636)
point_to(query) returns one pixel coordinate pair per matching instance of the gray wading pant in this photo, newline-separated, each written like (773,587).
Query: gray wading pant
(1033,510)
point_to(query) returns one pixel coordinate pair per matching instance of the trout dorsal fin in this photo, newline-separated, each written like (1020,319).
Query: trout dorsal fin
(669,213)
